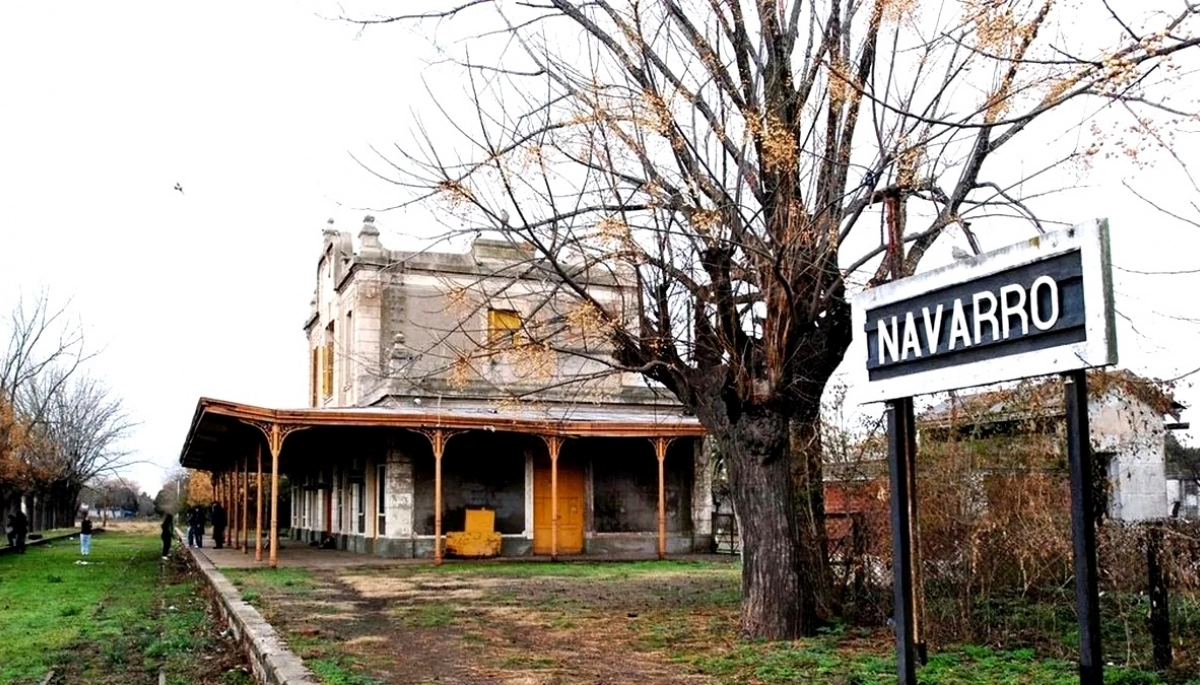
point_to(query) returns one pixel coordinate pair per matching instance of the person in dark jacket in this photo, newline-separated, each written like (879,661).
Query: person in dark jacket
(20,530)
(85,535)
(195,523)
(219,519)
(168,531)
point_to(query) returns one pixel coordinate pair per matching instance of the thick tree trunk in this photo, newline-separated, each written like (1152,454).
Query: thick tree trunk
(808,479)
(759,466)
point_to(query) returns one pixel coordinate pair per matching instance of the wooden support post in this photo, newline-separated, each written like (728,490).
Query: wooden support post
(275,444)
(554,443)
(439,448)
(1083,528)
(220,500)
(660,452)
(231,510)
(245,505)
(438,437)
(258,490)
(226,504)
(237,506)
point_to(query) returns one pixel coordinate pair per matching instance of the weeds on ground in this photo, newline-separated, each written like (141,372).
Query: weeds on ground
(327,662)
(118,618)
(271,579)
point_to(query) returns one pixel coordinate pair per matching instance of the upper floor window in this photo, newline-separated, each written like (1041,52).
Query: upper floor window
(314,375)
(504,328)
(327,363)
(348,351)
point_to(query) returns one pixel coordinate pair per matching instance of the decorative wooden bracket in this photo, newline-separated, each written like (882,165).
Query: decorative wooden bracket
(554,446)
(438,437)
(275,433)
(660,452)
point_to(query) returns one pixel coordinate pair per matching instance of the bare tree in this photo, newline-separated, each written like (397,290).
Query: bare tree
(730,158)
(79,429)
(61,428)
(40,337)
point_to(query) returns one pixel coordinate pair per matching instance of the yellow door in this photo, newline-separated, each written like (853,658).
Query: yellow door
(570,508)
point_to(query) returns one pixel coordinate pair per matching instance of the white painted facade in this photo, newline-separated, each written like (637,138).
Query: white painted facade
(383,330)
(1134,436)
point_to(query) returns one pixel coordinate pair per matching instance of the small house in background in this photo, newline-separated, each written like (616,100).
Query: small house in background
(1021,429)
(993,481)
(447,383)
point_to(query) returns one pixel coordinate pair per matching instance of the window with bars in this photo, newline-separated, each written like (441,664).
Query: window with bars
(360,506)
(337,500)
(381,499)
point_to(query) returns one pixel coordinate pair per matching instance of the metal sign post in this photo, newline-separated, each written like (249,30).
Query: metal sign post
(901,425)
(1039,307)
(1083,528)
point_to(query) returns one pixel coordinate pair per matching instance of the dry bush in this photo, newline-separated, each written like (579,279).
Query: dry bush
(995,541)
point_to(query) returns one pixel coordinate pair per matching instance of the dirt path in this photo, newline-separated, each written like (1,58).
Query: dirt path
(476,626)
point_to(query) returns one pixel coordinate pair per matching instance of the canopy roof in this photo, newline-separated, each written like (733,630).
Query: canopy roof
(219,428)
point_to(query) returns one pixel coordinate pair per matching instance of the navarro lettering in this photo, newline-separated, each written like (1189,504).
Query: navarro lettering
(1030,307)
(999,315)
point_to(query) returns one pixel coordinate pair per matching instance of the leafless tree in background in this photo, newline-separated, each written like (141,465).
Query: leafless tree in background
(64,428)
(77,439)
(748,164)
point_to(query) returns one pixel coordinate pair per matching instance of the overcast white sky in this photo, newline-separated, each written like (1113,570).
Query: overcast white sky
(254,108)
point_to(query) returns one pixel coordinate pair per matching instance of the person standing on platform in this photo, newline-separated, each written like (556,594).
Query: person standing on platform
(219,519)
(195,523)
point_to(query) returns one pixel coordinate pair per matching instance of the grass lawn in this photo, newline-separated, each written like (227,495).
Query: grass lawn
(538,623)
(120,618)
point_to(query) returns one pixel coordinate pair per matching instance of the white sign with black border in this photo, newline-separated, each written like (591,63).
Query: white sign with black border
(1039,307)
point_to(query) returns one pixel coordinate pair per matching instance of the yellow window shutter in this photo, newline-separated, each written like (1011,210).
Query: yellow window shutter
(327,370)
(504,328)
(314,364)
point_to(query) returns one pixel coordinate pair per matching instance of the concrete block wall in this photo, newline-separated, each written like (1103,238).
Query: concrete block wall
(1133,434)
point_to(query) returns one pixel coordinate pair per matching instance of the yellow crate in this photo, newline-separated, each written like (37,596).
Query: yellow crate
(479,539)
